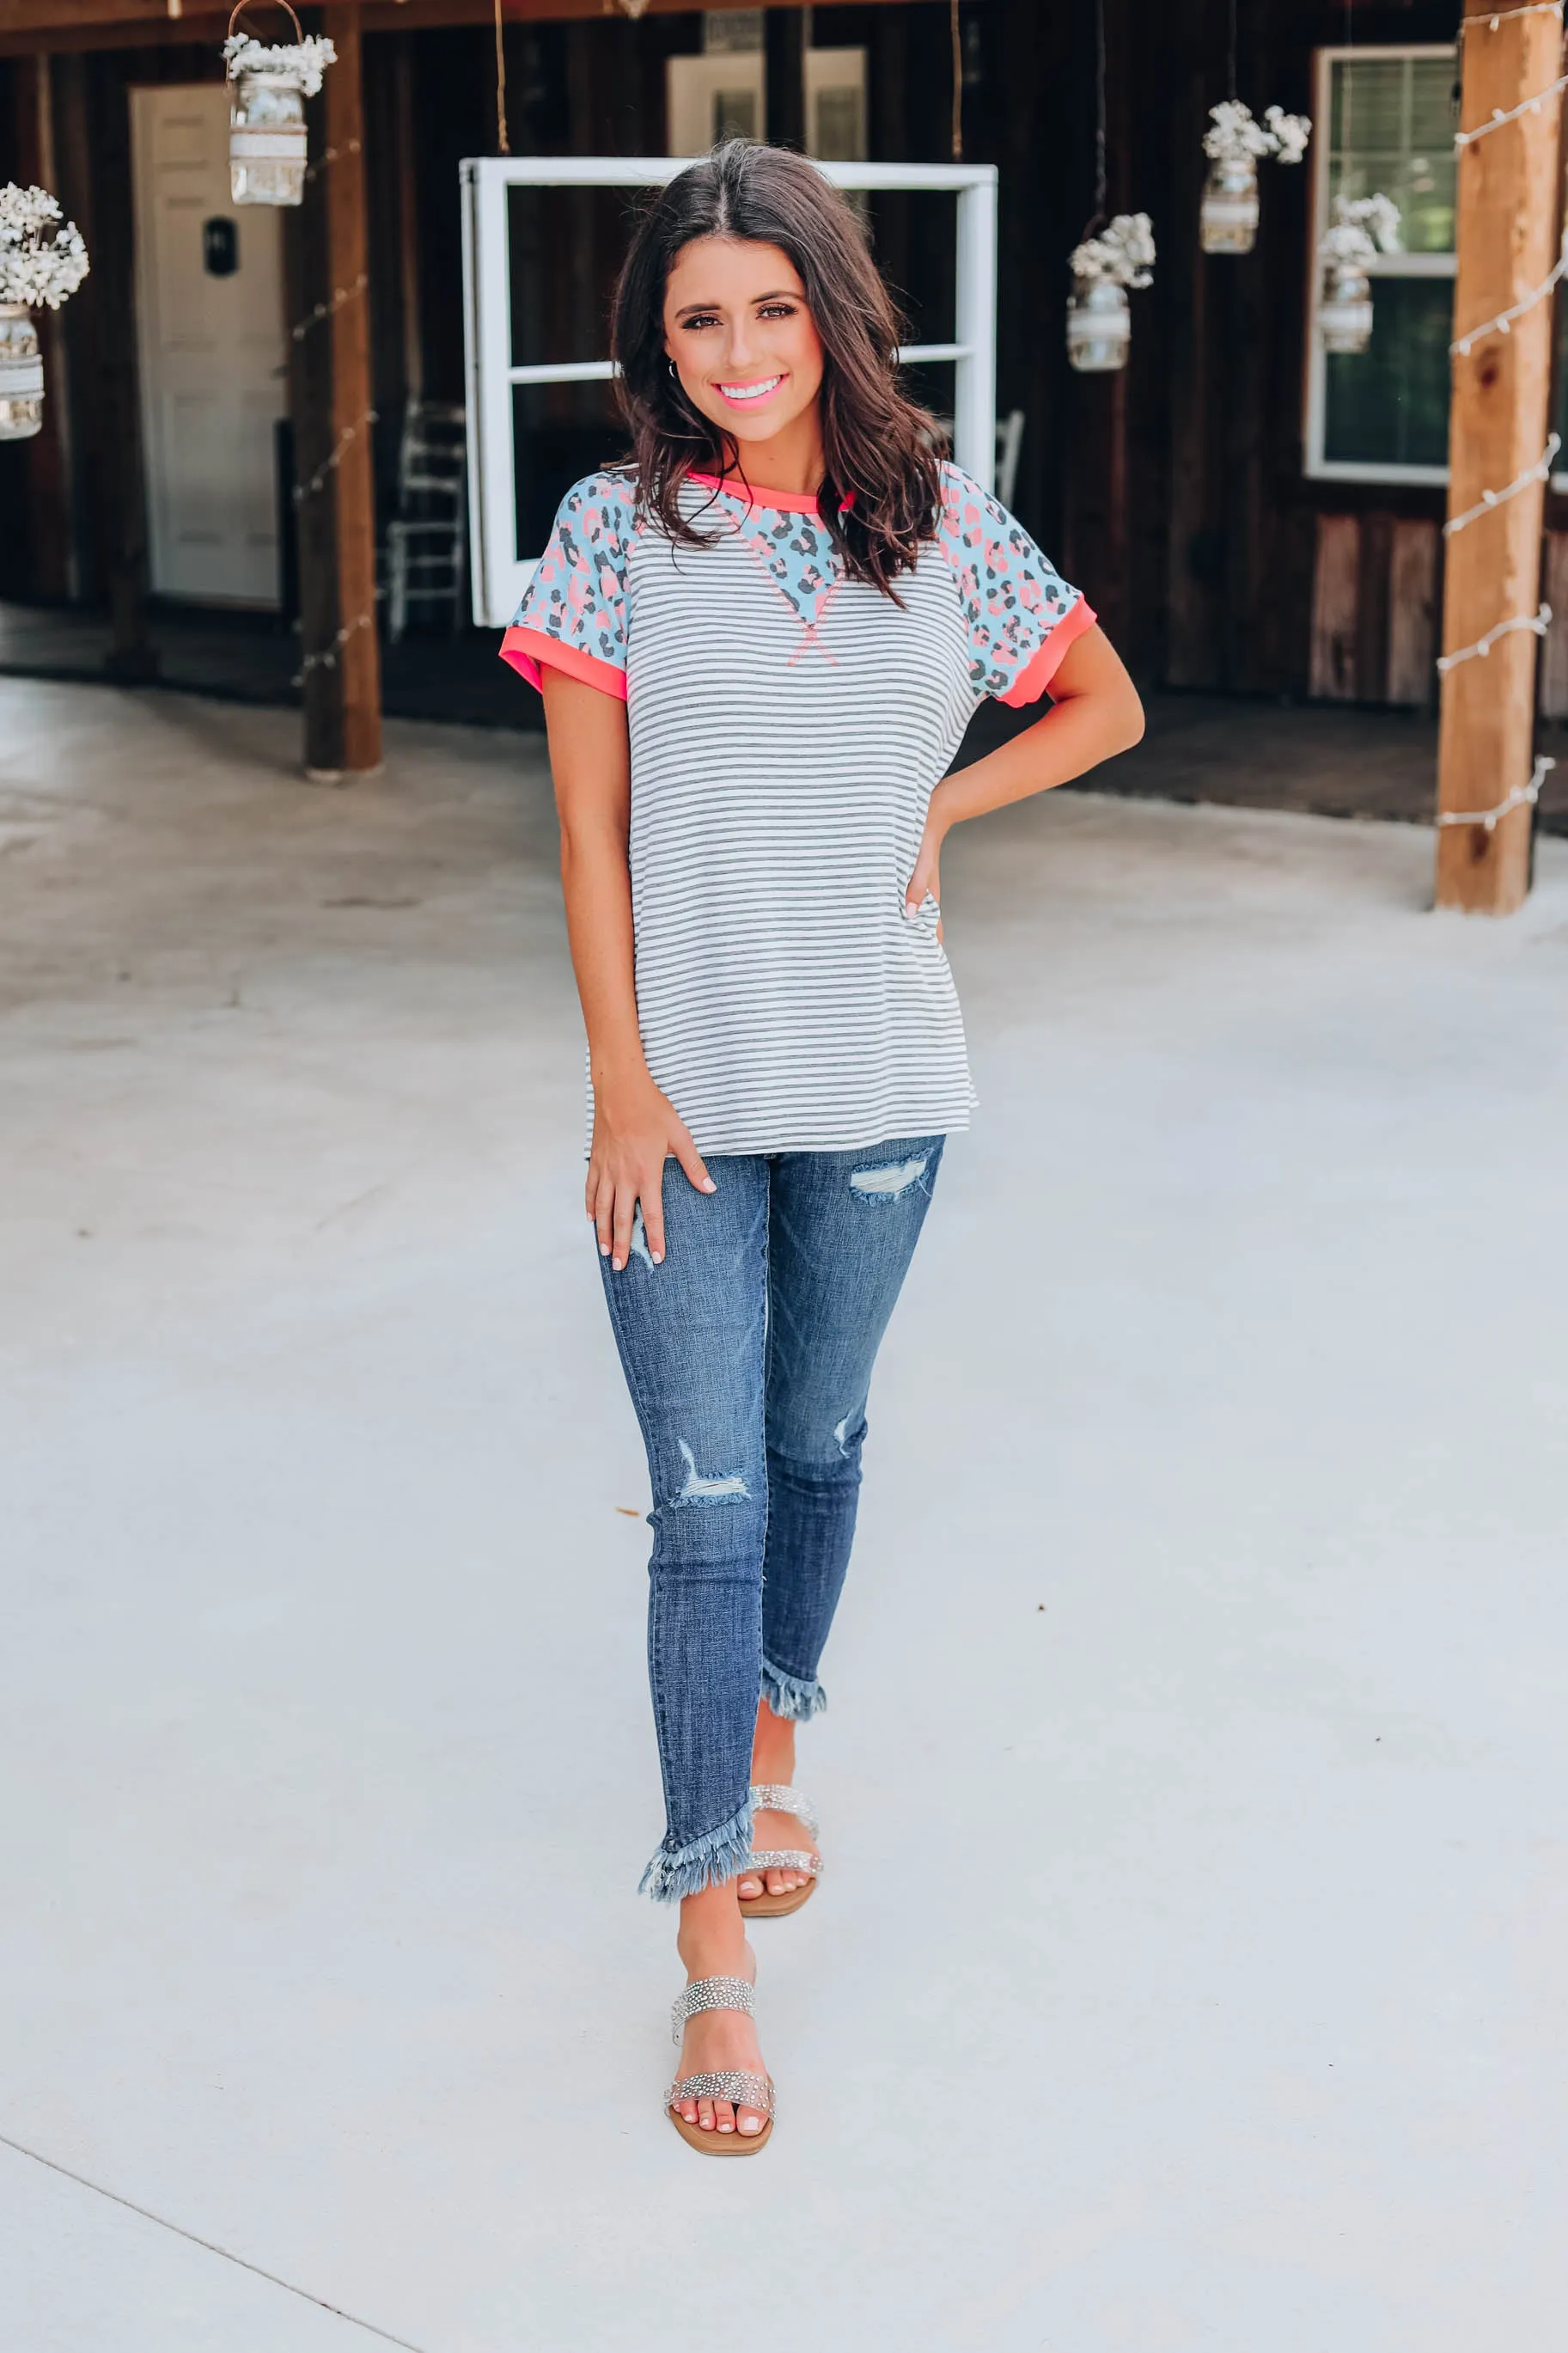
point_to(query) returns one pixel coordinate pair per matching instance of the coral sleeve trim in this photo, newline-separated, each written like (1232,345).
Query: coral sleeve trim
(530,650)
(1036,675)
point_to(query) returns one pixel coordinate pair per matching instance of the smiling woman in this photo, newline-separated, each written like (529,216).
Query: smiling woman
(759,647)
(756,339)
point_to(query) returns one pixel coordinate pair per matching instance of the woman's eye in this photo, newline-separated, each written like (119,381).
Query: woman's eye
(703,318)
(777,311)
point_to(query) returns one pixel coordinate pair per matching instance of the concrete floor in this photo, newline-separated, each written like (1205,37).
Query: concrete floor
(1188,1978)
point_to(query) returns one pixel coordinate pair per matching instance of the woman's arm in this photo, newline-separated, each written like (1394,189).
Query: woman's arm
(635,1126)
(1096,713)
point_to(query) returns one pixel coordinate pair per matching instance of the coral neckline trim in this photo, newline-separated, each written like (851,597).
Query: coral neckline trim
(786,501)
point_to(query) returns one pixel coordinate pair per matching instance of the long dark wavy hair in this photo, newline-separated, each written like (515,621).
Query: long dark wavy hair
(881,494)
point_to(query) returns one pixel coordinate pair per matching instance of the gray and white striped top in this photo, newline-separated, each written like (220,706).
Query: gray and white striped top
(787,726)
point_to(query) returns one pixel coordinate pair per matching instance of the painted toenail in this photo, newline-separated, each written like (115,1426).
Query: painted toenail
(752,2123)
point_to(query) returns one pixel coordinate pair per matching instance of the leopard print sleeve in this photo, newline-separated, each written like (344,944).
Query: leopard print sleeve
(572,616)
(1020,613)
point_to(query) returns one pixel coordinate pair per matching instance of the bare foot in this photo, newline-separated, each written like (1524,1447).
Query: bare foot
(712,1944)
(772,1761)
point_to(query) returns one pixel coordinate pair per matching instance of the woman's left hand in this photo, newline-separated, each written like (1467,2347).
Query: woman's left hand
(927,875)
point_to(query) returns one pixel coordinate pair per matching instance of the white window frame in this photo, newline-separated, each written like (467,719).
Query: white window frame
(499,575)
(1383,265)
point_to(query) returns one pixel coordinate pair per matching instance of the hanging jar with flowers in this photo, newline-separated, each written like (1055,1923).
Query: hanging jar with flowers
(1100,318)
(270,84)
(42,262)
(1227,216)
(1362,227)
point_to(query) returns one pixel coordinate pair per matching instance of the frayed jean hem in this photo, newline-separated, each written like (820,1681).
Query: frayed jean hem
(707,1861)
(791,1697)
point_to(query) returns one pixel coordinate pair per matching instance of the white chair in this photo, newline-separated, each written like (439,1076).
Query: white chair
(1009,436)
(427,542)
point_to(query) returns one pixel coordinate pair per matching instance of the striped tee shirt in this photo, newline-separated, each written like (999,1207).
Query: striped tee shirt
(787,726)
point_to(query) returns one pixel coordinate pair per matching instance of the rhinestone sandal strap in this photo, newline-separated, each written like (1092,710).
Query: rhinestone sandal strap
(709,1993)
(730,2083)
(778,1799)
(785,1858)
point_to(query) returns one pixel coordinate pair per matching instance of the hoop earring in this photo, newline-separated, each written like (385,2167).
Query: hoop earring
(670,365)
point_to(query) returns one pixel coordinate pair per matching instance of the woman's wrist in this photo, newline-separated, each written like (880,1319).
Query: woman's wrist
(941,816)
(619,1070)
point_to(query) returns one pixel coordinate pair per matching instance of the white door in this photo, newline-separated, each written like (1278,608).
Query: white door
(709,97)
(210,327)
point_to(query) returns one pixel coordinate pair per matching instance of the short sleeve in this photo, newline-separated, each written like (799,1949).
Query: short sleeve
(573,615)
(1022,615)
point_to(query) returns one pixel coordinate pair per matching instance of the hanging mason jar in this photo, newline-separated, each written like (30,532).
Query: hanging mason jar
(1361,229)
(42,262)
(1344,313)
(1100,320)
(1100,328)
(270,84)
(21,373)
(1227,216)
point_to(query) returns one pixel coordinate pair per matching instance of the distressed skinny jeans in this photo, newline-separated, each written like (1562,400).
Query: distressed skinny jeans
(748,1354)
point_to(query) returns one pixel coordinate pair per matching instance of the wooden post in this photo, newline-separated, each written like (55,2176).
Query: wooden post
(330,399)
(1507,210)
(133,657)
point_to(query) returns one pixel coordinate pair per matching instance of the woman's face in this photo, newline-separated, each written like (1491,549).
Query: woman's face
(743,341)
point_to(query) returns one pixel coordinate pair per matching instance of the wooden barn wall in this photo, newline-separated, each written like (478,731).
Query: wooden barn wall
(1173,491)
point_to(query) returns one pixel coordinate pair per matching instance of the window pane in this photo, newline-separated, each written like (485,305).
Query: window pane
(1392,125)
(1389,405)
(567,250)
(560,432)
(913,237)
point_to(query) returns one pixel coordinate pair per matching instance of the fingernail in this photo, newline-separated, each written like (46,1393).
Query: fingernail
(709,1186)
(617,1264)
(911,911)
(603,1250)
(657,1258)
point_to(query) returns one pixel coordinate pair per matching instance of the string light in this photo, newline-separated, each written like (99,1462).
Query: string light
(303,490)
(1526,106)
(328,659)
(352,147)
(1537,622)
(1522,796)
(1505,319)
(1490,499)
(341,294)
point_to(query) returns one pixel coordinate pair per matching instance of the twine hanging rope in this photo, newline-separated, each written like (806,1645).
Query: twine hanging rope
(957,43)
(504,144)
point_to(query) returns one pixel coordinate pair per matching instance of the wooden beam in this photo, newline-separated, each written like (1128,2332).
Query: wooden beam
(331,398)
(1507,237)
(131,656)
(52,565)
(27,25)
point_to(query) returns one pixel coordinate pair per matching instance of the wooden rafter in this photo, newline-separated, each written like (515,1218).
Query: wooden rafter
(31,25)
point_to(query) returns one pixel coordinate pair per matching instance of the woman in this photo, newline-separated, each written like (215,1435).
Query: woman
(759,644)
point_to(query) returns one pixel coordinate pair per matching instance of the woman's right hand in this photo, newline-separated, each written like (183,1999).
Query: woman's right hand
(636,1129)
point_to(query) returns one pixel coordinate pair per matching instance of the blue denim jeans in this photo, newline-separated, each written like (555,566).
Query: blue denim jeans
(748,1354)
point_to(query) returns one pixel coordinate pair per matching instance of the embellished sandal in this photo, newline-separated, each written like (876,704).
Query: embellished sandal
(729,2083)
(774,1797)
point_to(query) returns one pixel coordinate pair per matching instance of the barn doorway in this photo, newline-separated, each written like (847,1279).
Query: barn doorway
(214,383)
